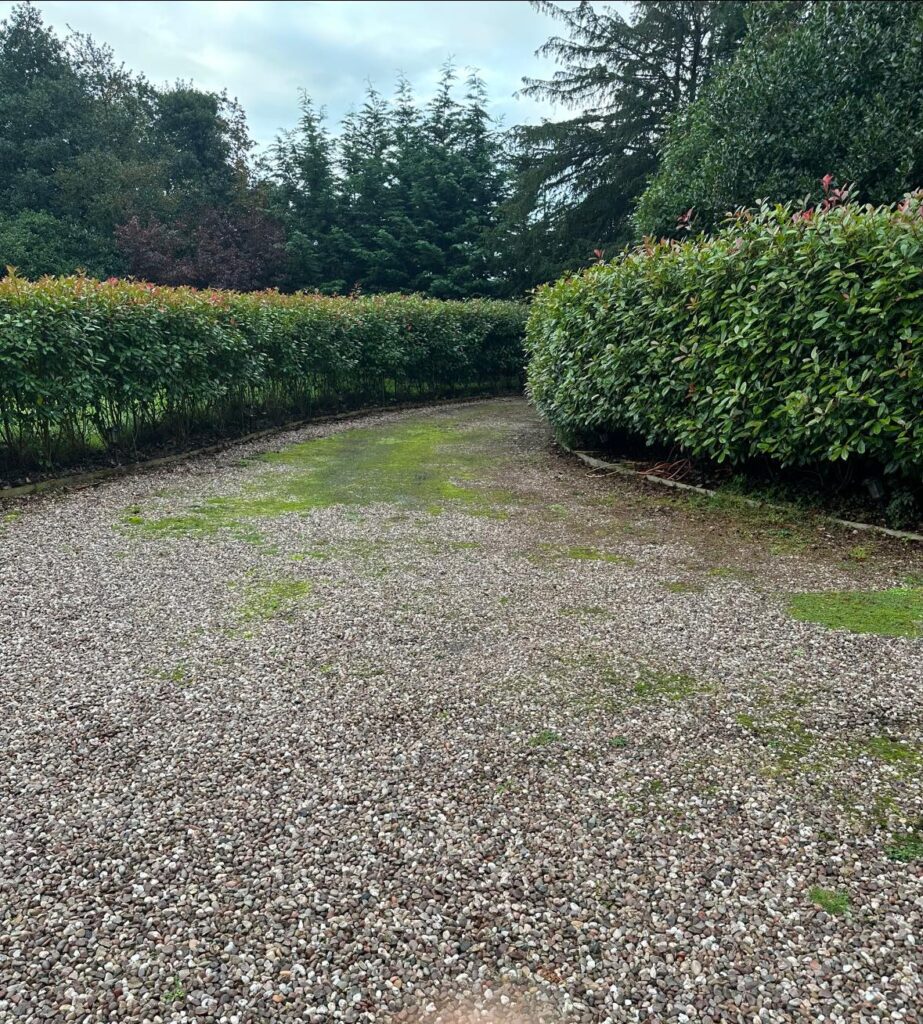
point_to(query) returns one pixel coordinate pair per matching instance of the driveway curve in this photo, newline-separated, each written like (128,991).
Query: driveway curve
(413,718)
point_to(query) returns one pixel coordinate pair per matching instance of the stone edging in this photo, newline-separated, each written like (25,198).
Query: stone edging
(616,467)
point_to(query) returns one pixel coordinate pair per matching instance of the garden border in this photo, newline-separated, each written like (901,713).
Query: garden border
(625,470)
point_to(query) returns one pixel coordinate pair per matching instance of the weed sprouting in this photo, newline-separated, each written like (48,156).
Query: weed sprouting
(833,902)
(544,738)
(907,847)
(175,993)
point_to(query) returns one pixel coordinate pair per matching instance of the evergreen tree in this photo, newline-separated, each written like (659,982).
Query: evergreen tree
(305,200)
(481,188)
(363,242)
(124,177)
(403,198)
(577,179)
(406,222)
(439,196)
(830,88)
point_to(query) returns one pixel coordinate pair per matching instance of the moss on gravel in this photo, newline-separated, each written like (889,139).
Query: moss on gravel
(829,900)
(265,599)
(907,847)
(425,463)
(544,738)
(782,733)
(892,751)
(895,612)
(674,686)
(683,587)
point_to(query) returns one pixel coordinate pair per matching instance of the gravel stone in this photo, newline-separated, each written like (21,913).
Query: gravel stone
(493,765)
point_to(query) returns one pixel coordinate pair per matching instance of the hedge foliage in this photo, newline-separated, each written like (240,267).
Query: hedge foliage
(106,366)
(789,336)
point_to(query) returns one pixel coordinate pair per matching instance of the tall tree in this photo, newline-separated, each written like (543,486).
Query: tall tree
(195,140)
(102,171)
(50,198)
(44,112)
(440,198)
(481,187)
(577,179)
(364,156)
(825,88)
(406,224)
(118,170)
(304,198)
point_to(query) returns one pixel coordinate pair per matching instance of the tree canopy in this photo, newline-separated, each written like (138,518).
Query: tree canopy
(834,90)
(100,170)
(576,180)
(701,105)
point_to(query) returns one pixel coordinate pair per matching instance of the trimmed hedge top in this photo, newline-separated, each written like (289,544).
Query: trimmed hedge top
(789,335)
(88,365)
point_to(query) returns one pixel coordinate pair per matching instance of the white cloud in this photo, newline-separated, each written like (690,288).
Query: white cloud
(264,52)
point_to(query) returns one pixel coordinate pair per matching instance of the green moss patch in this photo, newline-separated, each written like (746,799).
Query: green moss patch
(783,734)
(669,686)
(895,612)
(264,600)
(907,847)
(544,738)
(424,463)
(683,587)
(179,674)
(893,751)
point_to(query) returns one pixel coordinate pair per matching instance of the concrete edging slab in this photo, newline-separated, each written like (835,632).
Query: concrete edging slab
(616,467)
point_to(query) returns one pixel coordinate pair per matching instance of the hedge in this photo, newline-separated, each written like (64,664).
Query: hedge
(89,366)
(789,337)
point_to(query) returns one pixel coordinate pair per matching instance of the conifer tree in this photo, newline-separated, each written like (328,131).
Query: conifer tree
(577,179)
(304,198)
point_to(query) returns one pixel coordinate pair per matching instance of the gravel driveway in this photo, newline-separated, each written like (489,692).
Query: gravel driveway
(412,718)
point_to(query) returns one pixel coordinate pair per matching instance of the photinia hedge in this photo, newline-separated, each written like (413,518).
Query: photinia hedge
(792,336)
(89,366)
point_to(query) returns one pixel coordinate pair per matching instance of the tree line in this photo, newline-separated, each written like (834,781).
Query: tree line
(101,170)
(675,115)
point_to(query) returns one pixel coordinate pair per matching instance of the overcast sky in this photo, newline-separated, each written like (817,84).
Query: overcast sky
(263,52)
